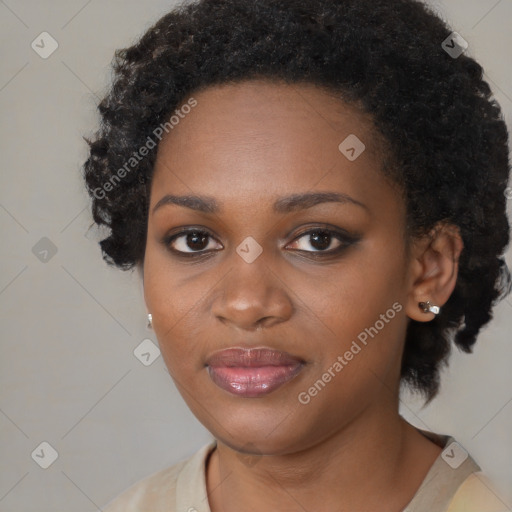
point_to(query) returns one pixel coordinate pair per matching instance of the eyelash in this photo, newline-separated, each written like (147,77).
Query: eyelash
(344,238)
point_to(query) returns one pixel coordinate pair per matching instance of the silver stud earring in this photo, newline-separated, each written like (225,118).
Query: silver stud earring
(150,321)
(428,307)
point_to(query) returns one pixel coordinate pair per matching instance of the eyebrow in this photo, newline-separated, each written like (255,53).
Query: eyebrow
(286,204)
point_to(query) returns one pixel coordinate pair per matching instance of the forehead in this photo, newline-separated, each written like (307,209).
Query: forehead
(264,138)
(259,110)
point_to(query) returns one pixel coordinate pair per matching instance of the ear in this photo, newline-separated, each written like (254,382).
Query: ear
(433,269)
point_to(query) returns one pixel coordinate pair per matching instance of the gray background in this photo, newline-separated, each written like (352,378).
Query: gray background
(70,324)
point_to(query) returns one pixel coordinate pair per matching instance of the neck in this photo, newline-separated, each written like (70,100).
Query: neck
(367,463)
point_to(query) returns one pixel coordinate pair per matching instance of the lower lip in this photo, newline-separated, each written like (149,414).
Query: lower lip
(252,381)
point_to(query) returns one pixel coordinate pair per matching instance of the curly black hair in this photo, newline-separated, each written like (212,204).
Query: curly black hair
(447,137)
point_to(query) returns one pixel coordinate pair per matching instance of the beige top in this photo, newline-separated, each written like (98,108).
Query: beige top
(451,485)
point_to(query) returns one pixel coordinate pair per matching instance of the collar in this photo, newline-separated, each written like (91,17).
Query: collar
(436,491)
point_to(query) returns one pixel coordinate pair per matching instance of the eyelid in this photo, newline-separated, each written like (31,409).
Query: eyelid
(320,226)
(183,231)
(345,238)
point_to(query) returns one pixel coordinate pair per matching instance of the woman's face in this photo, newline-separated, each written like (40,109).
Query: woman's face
(320,283)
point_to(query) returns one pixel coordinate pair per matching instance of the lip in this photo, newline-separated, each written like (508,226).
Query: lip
(252,372)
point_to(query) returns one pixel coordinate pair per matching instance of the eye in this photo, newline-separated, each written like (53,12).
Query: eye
(190,241)
(323,241)
(197,241)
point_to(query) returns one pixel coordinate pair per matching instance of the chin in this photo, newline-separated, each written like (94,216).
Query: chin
(254,445)
(258,435)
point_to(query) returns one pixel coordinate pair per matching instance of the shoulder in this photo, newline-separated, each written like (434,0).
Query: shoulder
(148,493)
(454,482)
(157,492)
(475,495)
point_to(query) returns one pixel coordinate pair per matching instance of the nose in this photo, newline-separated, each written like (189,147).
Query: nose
(253,296)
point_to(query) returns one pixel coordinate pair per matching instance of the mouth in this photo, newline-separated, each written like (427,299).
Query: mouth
(252,372)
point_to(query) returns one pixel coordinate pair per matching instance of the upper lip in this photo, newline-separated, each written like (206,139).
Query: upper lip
(252,357)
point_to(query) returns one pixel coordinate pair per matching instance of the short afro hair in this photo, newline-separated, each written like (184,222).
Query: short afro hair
(447,137)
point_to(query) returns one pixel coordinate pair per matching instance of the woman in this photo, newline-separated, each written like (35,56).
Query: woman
(313,193)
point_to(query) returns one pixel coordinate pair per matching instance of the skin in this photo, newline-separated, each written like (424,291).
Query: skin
(246,145)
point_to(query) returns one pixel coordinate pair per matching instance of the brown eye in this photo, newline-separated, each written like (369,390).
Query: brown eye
(190,241)
(321,240)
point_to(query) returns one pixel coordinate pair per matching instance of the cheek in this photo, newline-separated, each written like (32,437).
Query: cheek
(352,297)
(360,310)
(359,358)
(168,296)
(175,307)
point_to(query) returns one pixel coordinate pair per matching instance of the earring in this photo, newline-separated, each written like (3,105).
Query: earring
(150,321)
(428,307)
